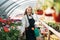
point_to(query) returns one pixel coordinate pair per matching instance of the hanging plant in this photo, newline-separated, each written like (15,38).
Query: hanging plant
(39,12)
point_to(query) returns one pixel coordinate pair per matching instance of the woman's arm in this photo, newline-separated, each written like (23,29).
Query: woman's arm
(23,25)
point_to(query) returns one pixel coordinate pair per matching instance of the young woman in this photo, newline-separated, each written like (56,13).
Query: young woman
(28,22)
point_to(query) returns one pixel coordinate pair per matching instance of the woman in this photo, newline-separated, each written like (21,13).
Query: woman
(28,22)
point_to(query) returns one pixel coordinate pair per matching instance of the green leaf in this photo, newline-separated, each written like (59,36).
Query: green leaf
(8,38)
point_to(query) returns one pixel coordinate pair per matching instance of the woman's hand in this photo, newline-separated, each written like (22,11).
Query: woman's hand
(32,28)
(26,28)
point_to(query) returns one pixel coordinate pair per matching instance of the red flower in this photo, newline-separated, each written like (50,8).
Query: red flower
(4,21)
(1,19)
(6,29)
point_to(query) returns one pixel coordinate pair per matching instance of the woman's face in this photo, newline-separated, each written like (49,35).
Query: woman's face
(29,11)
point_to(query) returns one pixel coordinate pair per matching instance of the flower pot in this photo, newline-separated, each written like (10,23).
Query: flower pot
(50,14)
(56,17)
(39,12)
(49,11)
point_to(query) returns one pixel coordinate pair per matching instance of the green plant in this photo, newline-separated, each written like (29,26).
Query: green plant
(11,35)
(8,29)
(54,25)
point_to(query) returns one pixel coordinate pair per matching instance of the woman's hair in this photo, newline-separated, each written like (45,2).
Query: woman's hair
(26,10)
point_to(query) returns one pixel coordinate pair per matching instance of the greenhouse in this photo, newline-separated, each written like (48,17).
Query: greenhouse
(29,19)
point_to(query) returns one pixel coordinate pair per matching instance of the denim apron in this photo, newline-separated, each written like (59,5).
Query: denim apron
(30,35)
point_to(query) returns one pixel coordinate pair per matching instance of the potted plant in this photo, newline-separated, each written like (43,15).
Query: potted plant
(48,11)
(39,11)
(56,15)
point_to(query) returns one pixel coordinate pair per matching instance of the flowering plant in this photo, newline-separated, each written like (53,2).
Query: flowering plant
(39,11)
(8,29)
